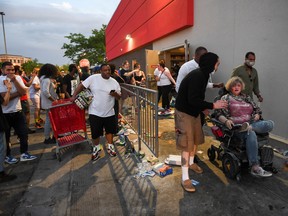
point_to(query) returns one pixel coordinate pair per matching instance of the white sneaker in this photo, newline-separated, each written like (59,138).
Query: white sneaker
(121,141)
(121,132)
(11,160)
(27,157)
(260,172)
(245,127)
(96,153)
(111,150)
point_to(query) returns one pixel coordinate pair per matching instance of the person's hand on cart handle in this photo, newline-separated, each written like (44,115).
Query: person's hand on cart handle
(72,99)
(52,99)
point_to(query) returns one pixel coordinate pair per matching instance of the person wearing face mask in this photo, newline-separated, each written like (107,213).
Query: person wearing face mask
(190,102)
(249,76)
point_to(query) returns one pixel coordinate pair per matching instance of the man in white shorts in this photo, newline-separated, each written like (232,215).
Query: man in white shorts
(34,91)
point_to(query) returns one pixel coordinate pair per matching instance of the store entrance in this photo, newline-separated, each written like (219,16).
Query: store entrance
(174,59)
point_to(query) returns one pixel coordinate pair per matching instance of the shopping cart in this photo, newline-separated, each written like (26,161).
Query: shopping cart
(68,124)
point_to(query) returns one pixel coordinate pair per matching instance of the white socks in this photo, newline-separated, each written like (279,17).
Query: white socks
(185,174)
(191,161)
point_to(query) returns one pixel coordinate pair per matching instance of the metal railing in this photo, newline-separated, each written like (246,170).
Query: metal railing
(140,110)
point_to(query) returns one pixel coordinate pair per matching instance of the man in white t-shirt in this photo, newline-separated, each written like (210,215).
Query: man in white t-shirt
(13,112)
(101,110)
(189,66)
(185,69)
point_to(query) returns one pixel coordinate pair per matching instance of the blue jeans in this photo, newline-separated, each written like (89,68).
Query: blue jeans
(2,150)
(250,138)
(47,126)
(17,120)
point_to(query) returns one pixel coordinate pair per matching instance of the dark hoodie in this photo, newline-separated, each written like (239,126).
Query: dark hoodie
(191,94)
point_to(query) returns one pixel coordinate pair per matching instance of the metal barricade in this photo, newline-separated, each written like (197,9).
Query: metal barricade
(140,110)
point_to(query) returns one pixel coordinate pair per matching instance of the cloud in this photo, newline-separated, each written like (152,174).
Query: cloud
(38,30)
(62,6)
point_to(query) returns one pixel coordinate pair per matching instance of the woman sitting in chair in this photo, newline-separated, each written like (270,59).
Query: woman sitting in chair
(243,110)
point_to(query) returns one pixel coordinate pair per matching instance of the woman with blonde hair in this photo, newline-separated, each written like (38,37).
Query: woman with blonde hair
(243,110)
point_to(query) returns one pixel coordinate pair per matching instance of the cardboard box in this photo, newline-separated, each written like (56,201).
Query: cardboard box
(162,169)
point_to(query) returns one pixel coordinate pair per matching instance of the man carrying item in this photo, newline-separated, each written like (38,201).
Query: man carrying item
(13,112)
(101,110)
(249,76)
(4,177)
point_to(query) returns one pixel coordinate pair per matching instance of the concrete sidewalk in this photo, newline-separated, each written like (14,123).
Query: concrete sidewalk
(77,186)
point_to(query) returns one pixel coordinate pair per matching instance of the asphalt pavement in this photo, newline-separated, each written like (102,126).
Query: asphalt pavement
(78,186)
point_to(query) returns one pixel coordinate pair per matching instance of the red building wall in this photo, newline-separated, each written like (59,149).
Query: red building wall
(146,21)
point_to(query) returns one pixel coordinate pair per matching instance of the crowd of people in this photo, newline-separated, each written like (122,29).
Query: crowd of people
(234,107)
(43,86)
(47,85)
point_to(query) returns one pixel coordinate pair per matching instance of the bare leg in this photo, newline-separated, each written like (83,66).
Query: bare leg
(109,138)
(36,113)
(110,148)
(96,141)
(193,166)
(27,115)
(192,154)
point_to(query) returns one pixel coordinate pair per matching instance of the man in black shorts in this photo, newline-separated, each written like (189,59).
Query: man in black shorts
(101,110)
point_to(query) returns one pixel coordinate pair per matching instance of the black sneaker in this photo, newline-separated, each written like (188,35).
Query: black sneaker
(49,141)
(30,131)
(5,177)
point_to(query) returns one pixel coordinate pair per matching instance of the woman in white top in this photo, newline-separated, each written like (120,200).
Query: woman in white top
(34,92)
(164,80)
(47,74)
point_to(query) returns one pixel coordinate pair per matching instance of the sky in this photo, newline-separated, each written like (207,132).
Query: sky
(37,28)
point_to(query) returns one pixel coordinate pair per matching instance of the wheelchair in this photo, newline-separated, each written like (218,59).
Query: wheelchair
(232,150)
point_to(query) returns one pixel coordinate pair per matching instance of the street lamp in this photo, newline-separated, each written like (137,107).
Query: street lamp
(2,14)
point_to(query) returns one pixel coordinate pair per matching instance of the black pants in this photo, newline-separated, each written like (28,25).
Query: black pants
(17,120)
(159,93)
(165,90)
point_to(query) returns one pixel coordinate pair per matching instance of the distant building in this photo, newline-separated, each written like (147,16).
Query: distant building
(15,59)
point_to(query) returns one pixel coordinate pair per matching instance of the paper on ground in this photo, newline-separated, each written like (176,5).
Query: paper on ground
(173,160)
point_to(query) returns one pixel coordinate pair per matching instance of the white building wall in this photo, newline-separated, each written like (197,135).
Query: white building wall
(230,28)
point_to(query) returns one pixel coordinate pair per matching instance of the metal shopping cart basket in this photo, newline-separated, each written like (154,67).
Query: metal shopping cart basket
(68,124)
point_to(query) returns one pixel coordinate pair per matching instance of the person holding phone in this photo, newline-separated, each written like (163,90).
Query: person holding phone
(13,113)
(4,177)
(101,111)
